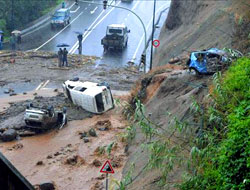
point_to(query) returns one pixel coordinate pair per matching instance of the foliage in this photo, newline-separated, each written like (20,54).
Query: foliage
(225,162)
(24,12)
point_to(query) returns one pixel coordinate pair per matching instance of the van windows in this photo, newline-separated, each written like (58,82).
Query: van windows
(99,102)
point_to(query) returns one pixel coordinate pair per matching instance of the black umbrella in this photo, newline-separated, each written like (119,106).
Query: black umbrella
(77,32)
(62,45)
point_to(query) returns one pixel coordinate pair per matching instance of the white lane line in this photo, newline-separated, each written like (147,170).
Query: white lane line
(96,26)
(92,12)
(89,5)
(134,56)
(85,8)
(58,32)
(72,5)
(39,86)
(45,84)
(75,10)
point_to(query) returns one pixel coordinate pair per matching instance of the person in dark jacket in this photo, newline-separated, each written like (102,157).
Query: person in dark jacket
(13,42)
(60,57)
(80,43)
(65,57)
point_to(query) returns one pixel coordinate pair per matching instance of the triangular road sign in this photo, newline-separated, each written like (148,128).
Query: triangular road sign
(107,168)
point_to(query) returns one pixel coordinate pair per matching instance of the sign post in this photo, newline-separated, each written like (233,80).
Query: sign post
(107,168)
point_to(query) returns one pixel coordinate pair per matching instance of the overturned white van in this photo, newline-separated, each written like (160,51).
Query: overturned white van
(93,97)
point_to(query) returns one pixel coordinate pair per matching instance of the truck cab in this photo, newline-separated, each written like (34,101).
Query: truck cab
(60,18)
(116,37)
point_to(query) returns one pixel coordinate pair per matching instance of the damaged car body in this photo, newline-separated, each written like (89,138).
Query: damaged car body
(93,97)
(42,119)
(208,61)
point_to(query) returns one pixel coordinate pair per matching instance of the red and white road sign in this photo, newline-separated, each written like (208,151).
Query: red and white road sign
(107,168)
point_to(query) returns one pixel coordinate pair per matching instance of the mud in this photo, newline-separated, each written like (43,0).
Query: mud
(13,116)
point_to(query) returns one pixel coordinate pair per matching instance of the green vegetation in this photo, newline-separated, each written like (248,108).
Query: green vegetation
(226,156)
(25,11)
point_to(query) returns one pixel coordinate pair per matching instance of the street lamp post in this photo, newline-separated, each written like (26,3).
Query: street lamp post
(152,39)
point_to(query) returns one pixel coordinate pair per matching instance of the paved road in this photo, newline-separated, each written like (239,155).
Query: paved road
(93,20)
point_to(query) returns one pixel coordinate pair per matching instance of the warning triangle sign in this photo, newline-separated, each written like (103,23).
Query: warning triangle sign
(107,168)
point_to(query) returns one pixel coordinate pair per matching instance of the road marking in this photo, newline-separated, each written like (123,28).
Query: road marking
(58,32)
(42,85)
(85,8)
(45,84)
(75,10)
(89,4)
(134,56)
(128,14)
(92,12)
(72,5)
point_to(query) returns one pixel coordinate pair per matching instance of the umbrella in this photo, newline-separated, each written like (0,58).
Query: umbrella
(62,45)
(16,32)
(77,32)
(1,32)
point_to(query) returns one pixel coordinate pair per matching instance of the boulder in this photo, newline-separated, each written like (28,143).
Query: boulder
(9,135)
(92,132)
(47,186)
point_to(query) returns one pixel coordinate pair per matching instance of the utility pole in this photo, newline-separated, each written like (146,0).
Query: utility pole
(12,15)
(153,31)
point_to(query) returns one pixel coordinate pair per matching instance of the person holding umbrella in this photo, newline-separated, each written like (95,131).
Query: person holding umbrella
(80,42)
(60,57)
(13,42)
(1,39)
(65,57)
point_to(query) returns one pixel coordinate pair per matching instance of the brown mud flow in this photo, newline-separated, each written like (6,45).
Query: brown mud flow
(71,157)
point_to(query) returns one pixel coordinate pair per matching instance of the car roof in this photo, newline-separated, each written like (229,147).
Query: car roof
(62,10)
(117,25)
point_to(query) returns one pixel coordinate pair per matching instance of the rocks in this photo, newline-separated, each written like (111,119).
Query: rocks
(86,140)
(83,135)
(47,186)
(9,135)
(49,156)
(39,163)
(103,125)
(74,160)
(97,163)
(92,132)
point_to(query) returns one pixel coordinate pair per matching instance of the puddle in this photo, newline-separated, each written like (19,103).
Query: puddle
(18,87)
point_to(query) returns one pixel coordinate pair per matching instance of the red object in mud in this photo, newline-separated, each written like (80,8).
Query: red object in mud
(107,168)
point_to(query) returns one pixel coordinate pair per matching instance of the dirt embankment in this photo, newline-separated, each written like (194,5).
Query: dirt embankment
(202,24)
(191,25)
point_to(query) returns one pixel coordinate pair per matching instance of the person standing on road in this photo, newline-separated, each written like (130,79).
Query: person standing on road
(13,42)
(65,57)
(63,4)
(1,41)
(19,41)
(60,57)
(80,43)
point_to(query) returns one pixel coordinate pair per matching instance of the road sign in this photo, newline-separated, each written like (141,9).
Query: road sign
(156,43)
(107,168)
